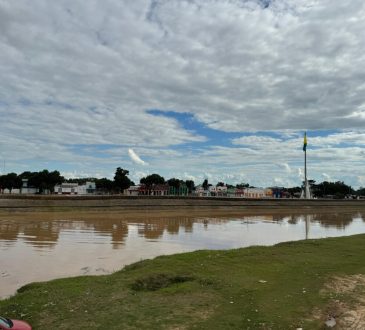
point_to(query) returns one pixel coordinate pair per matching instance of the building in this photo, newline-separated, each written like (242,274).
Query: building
(255,193)
(249,193)
(89,188)
(201,192)
(66,188)
(153,190)
(132,191)
(70,188)
(25,189)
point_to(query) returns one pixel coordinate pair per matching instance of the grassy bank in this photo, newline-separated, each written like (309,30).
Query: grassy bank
(288,286)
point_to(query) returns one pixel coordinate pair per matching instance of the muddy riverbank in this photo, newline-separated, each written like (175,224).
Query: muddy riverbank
(167,203)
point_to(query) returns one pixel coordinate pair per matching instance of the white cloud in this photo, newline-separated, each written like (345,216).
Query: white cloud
(78,78)
(135,157)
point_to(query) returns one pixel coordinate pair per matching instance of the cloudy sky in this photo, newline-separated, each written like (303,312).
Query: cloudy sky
(217,89)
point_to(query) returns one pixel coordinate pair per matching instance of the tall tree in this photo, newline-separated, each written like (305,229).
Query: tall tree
(121,179)
(205,184)
(190,184)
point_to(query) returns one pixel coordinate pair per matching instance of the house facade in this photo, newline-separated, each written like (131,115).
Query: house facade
(69,188)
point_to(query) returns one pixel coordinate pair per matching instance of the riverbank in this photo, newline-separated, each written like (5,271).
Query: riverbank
(287,286)
(169,202)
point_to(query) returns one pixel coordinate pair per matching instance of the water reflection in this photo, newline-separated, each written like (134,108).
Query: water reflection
(45,233)
(59,244)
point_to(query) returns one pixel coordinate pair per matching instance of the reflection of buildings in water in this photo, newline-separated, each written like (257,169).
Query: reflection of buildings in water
(45,233)
(8,233)
(293,219)
(256,218)
(154,228)
(41,234)
(150,230)
(338,220)
(119,234)
(116,229)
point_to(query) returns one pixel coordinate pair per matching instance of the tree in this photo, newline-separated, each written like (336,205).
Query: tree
(337,189)
(190,184)
(43,180)
(242,185)
(174,183)
(121,180)
(205,184)
(360,191)
(104,185)
(220,184)
(10,181)
(152,179)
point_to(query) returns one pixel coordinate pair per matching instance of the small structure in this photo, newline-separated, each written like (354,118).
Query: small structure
(201,192)
(182,190)
(255,193)
(89,188)
(25,189)
(66,188)
(132,191)
(71,188)
(153,190)
(249,193)
(277,192)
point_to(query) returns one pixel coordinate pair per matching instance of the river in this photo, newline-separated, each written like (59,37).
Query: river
(39,246)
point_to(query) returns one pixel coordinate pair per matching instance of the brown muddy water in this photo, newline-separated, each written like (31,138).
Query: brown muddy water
(39,246)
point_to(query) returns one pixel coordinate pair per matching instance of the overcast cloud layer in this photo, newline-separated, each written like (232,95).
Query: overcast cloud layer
(80,78)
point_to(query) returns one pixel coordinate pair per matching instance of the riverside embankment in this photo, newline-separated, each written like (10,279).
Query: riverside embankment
(159,202)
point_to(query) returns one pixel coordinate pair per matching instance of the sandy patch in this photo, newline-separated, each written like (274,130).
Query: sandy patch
(346,309)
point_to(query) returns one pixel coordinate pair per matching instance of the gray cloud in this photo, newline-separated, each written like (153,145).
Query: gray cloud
(84,73)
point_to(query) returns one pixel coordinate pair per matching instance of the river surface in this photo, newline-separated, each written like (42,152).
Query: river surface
(43,246)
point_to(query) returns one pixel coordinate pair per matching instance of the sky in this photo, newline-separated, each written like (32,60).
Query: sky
(193,89)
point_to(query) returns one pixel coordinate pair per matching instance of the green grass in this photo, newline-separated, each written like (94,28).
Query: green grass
(252,288)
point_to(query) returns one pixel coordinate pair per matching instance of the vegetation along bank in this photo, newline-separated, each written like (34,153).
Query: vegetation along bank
(288,286)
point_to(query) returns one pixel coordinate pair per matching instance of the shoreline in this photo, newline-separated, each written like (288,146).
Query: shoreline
(167,202)
(210,289)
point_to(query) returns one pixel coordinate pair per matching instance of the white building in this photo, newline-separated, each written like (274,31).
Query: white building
(66,188)
(87,188)
(255,193)
(132,191)
(69,188)
(201,192)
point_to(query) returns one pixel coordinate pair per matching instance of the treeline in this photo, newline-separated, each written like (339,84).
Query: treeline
(325,189)
(46,181)
(43,181)
(121,181)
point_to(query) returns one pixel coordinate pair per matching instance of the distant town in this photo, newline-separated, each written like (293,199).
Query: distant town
(46,182)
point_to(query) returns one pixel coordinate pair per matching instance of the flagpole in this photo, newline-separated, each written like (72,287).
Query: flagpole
(305,174)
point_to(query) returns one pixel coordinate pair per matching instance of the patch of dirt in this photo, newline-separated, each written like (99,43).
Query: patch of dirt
(159,281)
(347,302)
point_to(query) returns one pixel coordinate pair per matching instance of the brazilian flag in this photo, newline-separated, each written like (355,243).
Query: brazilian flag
(305,142)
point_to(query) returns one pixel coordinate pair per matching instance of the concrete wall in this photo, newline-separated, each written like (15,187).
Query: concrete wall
(148,202)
